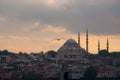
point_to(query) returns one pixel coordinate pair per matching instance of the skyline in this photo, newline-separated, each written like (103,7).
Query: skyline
(31,25)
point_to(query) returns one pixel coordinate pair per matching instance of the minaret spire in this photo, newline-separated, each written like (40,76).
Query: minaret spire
(107,45)
(87,40)
(98,46)
(79,38)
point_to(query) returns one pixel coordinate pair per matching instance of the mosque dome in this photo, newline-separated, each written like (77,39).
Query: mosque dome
(70,41)
(70,48)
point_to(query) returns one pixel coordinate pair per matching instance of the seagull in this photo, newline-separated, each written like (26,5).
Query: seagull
(59,39)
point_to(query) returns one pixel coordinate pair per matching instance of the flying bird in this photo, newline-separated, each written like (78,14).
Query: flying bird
(59,39)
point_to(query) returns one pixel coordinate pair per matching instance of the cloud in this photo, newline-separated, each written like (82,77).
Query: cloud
(48,19)
(53,29)
(56,4)
(43,39)
(100,17)
(3,20)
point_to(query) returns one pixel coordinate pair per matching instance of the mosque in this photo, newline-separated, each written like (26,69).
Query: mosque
(71,58)
(71,50)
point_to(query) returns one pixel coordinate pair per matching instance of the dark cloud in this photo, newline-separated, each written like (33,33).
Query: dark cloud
(100,17)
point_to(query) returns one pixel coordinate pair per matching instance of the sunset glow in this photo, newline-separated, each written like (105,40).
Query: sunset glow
(33,25)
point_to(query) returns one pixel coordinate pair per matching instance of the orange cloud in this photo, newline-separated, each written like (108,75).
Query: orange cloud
(44,40)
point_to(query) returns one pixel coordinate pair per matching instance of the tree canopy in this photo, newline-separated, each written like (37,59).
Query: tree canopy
(91,72)
(52,53)
(104,53)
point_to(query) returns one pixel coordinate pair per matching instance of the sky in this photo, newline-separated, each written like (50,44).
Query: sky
(33,25)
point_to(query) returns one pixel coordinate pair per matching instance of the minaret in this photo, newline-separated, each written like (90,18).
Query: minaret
(107,45)
(79,38)
(98,46)
(87,40)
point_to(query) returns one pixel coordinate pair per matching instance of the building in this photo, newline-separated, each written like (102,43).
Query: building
(71,60)
(71,50)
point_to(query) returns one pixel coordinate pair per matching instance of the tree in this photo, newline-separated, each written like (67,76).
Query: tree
(29,76)
(5,52)
(52,53)
(115,54)
(104,53)
(91,72)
